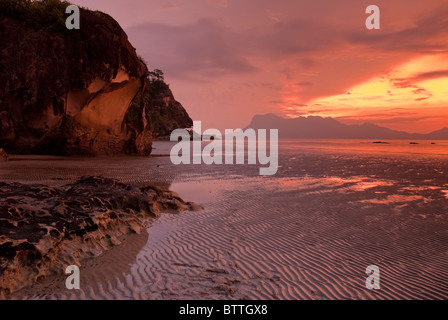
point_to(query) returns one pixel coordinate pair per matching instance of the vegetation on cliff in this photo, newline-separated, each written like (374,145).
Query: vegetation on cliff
(165,112)
(38,14)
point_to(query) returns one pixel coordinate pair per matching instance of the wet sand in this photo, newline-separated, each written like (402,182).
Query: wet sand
(307,233)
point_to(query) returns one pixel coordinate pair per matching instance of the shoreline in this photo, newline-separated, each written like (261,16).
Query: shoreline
(45,229)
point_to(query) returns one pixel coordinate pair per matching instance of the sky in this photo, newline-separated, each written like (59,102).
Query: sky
(227,60)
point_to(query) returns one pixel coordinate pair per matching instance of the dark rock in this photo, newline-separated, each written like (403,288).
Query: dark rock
(44,229)
(167,114)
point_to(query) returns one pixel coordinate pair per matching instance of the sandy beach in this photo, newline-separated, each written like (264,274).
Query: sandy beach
(307,233)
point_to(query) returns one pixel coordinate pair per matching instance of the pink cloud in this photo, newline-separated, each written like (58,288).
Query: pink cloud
(227,65)
(273,16)
(169,7)
(218,3)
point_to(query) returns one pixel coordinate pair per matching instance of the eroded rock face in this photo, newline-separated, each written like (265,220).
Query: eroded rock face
(3,155)
(45,229)
(68,92)
(167,114)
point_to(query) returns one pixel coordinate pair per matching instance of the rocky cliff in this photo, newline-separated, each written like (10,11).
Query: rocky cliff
(44,229)
(76,92)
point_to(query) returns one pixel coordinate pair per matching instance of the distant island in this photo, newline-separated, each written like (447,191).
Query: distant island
(315,127)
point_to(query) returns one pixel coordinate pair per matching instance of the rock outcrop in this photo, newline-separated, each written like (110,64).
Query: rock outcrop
(3,155)
(166,113)
(75,92)
(44,229)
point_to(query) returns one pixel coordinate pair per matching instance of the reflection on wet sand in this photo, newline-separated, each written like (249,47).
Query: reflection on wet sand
(307,233)
(98,275)
(57,171)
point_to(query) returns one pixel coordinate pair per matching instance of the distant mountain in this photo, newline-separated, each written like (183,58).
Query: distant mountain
(329,128)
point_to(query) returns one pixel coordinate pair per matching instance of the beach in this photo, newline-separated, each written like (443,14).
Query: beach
(309,232)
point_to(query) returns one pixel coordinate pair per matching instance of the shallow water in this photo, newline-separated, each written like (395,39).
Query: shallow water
(308,232)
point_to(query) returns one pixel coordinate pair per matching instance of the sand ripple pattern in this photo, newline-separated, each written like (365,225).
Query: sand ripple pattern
(302,235)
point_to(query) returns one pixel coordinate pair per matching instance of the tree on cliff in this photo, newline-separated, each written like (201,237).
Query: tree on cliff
(156,75)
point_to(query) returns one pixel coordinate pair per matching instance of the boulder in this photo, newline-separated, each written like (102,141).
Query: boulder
(44,229)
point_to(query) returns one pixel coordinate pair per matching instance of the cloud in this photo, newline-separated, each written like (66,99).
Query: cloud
(431,75)
(312,52)
(204,48)
(273,16)
(299,37)
(427,35)
(307,63)
(422,99)
(218,3)
(384,118)
(409,82)
(402,119)
(168,7)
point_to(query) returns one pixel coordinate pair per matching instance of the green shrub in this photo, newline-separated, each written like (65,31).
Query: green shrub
(39,14)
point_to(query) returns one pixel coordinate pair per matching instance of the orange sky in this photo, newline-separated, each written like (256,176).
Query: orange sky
(227,60)
(411,97)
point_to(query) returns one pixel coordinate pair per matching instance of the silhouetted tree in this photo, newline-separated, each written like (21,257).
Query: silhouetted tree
(156,74)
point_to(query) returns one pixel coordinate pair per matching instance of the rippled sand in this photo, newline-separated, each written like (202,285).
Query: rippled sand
(307,233)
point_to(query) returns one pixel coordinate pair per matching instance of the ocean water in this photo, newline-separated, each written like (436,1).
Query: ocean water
(296,157)
(413,147)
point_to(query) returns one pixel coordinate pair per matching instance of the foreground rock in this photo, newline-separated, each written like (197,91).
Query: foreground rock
(76,92)
(43,229)
(3,155)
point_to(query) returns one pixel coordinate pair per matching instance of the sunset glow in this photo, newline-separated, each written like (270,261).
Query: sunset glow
(195,153)
(416,91)
(228,60)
